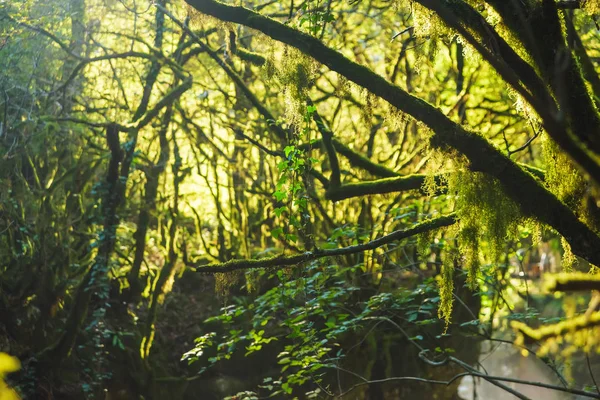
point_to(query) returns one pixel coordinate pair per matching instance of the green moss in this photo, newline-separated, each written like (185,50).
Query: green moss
(424,244)
(569,261)
(428,25)
(446,285)
(487,217)
(565,180)
(294,72)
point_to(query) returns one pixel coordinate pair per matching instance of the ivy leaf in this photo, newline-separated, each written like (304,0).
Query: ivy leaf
(288,150)
(279,195)
(280,210)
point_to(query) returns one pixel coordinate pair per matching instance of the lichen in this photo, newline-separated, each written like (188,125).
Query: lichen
(427,24)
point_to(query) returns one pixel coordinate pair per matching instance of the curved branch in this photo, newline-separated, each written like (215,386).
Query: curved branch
(285,261)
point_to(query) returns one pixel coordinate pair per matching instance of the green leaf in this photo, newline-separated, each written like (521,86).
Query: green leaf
(279,195)
(288,150)
(276,232)
(280,210)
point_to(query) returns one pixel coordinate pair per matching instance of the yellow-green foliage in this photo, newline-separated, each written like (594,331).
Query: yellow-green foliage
(591,7)
(8,364)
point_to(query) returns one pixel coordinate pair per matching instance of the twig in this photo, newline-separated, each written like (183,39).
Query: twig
(589,365)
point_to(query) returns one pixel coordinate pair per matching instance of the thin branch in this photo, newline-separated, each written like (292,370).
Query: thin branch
(526,144)
(589,365)
(327,141)
(284,261)
(399,378)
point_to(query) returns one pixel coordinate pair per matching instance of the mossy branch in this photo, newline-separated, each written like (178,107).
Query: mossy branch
(533,198)
(286,261)
(568,4)
(250,56)
(381,186)
(559,329)
(573,282)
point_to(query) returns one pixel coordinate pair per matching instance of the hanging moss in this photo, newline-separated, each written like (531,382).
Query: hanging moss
(568,184)
(562,176)
(424,244)
(486,216)
(569,261)
(428,25)
(446,285)
(438,161)
(224,282)
(294,72)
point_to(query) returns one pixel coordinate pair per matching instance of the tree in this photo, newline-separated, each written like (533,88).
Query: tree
(301,151)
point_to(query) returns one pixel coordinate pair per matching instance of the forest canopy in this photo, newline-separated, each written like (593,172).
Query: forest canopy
(365,199)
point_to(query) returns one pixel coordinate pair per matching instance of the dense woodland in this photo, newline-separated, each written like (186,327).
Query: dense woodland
(312,199)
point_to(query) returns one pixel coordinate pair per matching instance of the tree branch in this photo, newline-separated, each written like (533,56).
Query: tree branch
(284,261)
(573,282)
(327,141)
(555,330)
(380,186)
(533,199)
